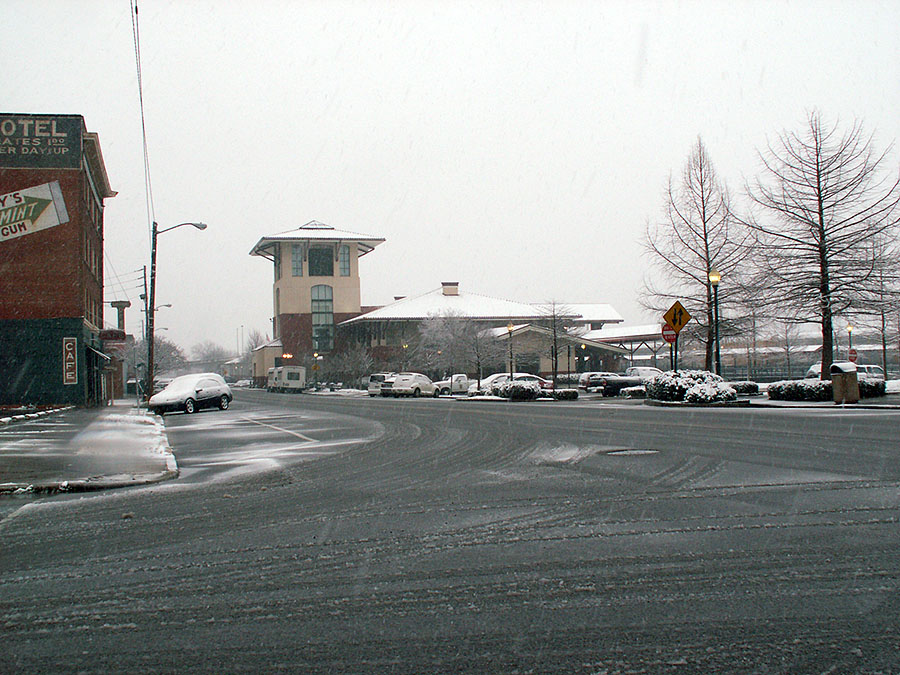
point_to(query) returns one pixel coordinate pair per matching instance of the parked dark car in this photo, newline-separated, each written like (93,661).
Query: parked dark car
(192,392)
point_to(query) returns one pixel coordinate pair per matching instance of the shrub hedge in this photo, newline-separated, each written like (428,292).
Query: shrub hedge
(690,386)
(819,390)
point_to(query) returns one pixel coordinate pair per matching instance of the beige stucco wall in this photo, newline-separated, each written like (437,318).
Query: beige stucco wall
(296,292)
(263,359)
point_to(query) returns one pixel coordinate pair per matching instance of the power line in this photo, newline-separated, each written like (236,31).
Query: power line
(148,188)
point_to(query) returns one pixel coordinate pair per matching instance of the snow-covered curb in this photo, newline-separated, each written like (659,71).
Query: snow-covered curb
(4,421)
(740,403)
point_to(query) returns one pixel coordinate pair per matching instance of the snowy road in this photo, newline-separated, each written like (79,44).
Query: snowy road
(368,535)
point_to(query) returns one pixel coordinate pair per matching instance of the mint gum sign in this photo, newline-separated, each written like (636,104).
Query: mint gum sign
(31,210)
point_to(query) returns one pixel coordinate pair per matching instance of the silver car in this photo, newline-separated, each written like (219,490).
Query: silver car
(192,392)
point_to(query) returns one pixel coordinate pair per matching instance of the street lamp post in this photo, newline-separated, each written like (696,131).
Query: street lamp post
(714,278)
(849,339)
(151,305)
(509,328)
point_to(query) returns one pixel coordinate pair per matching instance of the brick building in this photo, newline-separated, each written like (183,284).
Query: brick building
(52,186)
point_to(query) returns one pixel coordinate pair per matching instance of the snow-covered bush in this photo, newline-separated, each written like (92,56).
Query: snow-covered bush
(710,392)
(639,391)
(801,390)
(565,394)
(518,391)
(745,388)
(872,388)
(674,386)
(819,390)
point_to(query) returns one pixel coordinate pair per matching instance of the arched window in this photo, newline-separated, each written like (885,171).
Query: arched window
(322,318)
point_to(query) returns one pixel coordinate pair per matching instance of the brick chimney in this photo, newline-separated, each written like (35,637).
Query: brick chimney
(450,287)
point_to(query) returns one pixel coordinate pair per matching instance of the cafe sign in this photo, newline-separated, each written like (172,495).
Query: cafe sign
(31,210)
(70,360)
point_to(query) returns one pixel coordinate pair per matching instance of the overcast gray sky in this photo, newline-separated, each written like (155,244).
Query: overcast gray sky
(516,147)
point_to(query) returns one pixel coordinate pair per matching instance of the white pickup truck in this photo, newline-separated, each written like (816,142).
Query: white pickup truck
(455,384)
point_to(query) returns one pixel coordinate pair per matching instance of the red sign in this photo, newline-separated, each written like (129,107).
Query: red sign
(70,360)
(669,334)
(852,354)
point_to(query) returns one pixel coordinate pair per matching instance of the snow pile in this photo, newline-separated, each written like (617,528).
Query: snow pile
(690,386)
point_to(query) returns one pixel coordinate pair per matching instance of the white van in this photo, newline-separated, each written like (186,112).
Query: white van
(375,382)
(286,379)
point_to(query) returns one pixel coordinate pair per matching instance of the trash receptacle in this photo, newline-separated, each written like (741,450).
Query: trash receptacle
(844,382)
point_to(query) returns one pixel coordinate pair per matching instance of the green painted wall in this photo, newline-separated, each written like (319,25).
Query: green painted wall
(31,362)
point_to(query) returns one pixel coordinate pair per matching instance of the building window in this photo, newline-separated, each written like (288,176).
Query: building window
(321,262)
(344,260)
(277,262)
(322,318)
(296,260)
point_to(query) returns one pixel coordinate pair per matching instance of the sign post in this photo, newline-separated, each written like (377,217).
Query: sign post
(675,319)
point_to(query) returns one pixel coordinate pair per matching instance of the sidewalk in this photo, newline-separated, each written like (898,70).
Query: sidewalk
(80,449)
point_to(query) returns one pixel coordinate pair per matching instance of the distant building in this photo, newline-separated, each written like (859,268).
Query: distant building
(315,287)
(53,184)
(317,311)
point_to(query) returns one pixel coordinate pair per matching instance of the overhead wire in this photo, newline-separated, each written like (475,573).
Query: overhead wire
(148,187)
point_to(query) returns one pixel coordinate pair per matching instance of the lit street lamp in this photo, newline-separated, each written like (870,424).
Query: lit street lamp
(849,338)
(714,278)
(151,305)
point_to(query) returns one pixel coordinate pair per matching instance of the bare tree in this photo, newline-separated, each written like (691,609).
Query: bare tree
(822,202)
(209,351)
(351,364)
(167,356)
(556,318)
(254,339)
(454,343)
(698,234)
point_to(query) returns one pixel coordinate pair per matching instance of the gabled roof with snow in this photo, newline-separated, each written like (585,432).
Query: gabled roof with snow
(273,343)
(585,312)
(652,331)
(464,305)
(316,232)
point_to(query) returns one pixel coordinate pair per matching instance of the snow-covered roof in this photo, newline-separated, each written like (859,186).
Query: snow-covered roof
(274,343)
(462,304)
(588,312)
(651,331)
(502,333)
(314,231)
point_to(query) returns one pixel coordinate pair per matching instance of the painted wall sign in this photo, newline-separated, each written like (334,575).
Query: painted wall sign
(40,141)
(70,360)
(31,210)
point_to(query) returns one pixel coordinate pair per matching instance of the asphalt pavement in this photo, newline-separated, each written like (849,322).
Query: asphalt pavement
(78,449)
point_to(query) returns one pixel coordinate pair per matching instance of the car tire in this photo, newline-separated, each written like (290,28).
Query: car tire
(416,393)
(223,402)
(190,406)
(445,391)
(436,393)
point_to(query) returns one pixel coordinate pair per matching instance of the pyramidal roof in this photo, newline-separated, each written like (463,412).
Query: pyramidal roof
(315,231)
